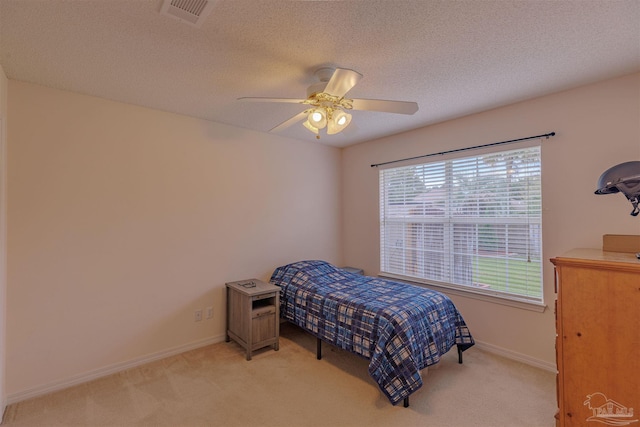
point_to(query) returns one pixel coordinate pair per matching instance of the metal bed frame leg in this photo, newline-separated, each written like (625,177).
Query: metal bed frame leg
(406,399)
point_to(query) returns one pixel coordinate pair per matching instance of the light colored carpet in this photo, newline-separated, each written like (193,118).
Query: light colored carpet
(217,386)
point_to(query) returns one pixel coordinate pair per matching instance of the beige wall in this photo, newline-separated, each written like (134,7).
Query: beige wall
(597,126)
(3,238)
(123,221)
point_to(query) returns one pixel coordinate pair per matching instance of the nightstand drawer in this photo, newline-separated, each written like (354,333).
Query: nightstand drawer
(263,311)
(263,328)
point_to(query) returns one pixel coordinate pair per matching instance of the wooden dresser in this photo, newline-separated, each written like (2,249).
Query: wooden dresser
(598,338)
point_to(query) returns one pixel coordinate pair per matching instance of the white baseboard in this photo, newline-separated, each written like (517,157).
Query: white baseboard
(108,370)
(519,357)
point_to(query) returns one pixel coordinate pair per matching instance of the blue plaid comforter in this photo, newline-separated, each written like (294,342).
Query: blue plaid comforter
(400,328)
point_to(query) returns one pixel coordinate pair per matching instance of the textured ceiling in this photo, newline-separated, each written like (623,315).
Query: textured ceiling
(451,57)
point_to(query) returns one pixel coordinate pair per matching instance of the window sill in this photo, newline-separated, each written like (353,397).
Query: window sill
(469,293)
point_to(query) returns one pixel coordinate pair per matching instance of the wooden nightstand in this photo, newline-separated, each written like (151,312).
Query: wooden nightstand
(253,313)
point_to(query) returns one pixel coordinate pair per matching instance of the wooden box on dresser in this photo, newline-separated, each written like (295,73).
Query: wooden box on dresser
(597,338)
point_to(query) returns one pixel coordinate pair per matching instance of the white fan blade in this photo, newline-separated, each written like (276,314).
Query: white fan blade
(291,121)
(398,107)
(342,81)
(289,100)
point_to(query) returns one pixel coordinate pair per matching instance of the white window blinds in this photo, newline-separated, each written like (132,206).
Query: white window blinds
(470,223)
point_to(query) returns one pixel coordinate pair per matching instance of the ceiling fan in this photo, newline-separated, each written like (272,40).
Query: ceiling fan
(327,106)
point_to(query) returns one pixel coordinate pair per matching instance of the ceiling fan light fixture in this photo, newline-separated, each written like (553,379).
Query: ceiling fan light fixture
(318,118)
(338,122)
(311,127)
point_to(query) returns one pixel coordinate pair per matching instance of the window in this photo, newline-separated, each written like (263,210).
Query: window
(471,223)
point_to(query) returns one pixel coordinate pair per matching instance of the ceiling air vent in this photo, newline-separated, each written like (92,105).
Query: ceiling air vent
(192,12)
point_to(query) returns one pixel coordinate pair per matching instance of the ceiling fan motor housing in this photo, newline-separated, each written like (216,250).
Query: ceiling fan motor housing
(324,75)
(316,88)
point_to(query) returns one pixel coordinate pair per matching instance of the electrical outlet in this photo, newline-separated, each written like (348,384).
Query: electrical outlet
(209,312)
(197,315)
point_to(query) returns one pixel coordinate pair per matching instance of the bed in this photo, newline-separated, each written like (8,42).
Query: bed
(400,328)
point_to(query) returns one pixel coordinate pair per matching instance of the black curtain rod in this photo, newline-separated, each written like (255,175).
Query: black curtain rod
(546,135)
